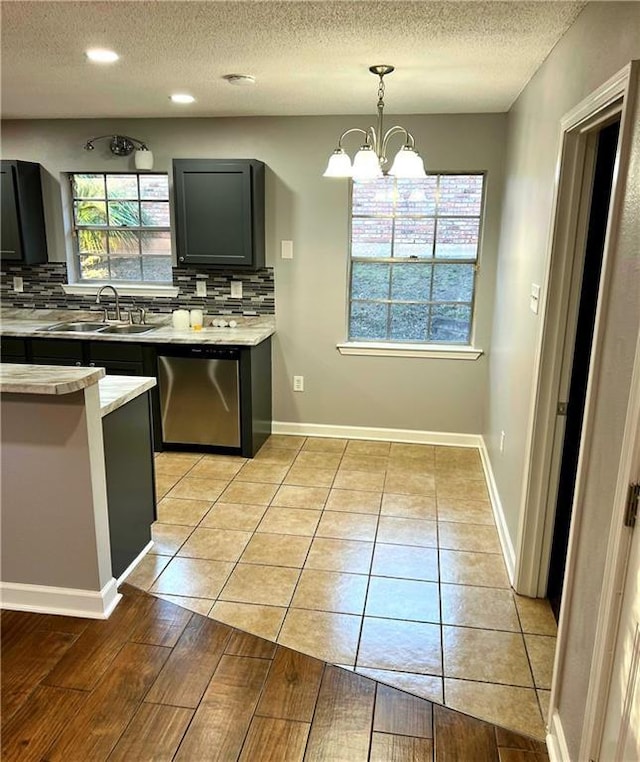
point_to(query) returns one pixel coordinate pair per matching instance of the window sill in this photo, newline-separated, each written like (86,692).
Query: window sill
(442,352)
(128,289)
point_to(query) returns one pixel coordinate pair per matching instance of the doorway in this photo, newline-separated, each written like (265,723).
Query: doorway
(586,299)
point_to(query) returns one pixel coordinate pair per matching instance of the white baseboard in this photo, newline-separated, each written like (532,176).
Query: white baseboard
(556,742)
(134,563)
(508,551)
(42,599)
(410,436)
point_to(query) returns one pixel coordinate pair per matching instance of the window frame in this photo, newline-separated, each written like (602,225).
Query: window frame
(395,347)
(78,284)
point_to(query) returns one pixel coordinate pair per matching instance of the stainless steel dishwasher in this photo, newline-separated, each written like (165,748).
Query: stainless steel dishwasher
(200,396)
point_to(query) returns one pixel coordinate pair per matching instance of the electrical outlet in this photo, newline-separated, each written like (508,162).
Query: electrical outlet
(236,289)
(502,438)
(286,249)
(18,284)
(201,288)
(298,383)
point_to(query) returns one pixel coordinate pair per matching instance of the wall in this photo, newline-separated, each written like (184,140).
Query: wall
(602,40)
(311,289)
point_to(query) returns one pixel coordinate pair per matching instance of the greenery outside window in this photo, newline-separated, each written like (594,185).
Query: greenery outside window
(121,227)
(414,258)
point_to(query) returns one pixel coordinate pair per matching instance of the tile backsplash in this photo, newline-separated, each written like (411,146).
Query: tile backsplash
(43,290)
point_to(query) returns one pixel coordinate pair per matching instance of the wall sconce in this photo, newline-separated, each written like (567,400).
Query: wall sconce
(123,145)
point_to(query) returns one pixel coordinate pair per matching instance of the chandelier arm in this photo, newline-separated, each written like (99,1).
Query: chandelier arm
(352,129)
(89,144)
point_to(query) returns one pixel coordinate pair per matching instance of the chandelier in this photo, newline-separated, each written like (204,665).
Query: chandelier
(369,161)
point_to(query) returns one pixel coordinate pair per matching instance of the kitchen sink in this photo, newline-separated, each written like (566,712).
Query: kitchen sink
(85,327)
(79,327)
(127,329)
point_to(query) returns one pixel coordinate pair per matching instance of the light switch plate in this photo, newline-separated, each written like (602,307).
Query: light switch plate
(534,298)
(236,289)
(286,249)
(201,288)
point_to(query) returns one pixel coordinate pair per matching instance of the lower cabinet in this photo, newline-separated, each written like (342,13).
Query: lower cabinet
(138,359)
(128,455)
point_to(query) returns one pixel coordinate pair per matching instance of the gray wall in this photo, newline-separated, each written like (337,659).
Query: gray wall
(603,40)
(417,394)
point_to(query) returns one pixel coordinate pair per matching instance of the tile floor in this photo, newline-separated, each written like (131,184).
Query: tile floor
(377,556)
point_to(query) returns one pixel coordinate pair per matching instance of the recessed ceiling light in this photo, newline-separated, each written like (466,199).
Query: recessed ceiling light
(101,55)
(182,98)
(240,80)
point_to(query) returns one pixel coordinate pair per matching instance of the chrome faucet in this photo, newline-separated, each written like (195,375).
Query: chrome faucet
(117,296)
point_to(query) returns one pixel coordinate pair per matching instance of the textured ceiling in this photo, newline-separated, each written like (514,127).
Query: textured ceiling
(308,57)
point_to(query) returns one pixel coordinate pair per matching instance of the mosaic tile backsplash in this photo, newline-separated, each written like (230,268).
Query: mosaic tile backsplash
(43,290)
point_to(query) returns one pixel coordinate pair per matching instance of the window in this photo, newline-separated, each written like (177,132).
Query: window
(414,254)
(121,227)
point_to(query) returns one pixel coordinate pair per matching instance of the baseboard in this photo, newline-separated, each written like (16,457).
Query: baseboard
(508,550)
(410,436)
(42,599)
(556,742)
(134,563)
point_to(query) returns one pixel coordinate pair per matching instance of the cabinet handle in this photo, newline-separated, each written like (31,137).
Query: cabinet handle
(182,259)
(91,364)
(78,362)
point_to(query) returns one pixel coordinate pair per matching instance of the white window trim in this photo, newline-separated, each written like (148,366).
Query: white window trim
(384,349)
(124,289)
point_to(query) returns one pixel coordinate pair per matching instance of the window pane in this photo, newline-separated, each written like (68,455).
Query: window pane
(158,242)
(409,322)
(411,283)
(417,196)
(453,283)
(460,195)
(371,197)
(94,268)
(371,238)
(413,238)
(368,321)
(124,213)
(122,186)
(154,187)
(125,268)
(123,243)
(155,213)
(92,242)
(156,269)
(457,239)
(450,323)
(369,281)
(88,186)
(90,212)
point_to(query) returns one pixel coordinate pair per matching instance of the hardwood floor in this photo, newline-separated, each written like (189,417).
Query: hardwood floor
(157,682)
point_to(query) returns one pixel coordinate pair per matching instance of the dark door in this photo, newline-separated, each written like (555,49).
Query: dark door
(598,216)
(11,243)
(213,212)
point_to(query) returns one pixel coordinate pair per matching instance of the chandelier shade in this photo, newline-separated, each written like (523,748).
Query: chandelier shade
(370,160)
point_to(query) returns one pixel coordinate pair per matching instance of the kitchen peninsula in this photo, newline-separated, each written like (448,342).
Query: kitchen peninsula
(77,462)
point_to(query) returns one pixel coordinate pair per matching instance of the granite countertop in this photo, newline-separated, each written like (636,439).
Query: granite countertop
(46,379)
(250,331)
(116,391)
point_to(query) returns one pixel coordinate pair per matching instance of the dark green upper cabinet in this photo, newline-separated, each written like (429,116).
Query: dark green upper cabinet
(219,212)
(22,230)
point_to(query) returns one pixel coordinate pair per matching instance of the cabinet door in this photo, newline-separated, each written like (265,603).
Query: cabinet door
(118,367)
(218,213)
(11,243)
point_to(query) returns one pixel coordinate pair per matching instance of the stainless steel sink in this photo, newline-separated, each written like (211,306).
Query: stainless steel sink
(127,329)
(86,327)
(78,327)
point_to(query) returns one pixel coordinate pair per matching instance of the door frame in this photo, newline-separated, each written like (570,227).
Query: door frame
(564,260)
(615,574)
